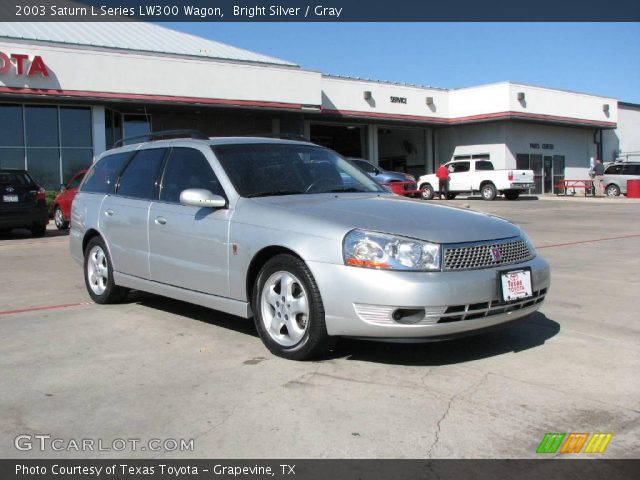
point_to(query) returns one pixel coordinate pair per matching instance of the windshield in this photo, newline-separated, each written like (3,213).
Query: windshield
(260,170)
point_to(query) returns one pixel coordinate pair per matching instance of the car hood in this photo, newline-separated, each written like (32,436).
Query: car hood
(335,214)
(391,177)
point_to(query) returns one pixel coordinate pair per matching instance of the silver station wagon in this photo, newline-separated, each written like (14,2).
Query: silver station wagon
(298,238)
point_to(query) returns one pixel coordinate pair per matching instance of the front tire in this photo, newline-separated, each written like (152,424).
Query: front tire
(288,310)
(98,274)
(613,190)
(427,191)
(488,192)
(59,220)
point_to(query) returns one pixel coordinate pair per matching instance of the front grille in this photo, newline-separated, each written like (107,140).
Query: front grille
(383,314)
(486,254)
(456,313)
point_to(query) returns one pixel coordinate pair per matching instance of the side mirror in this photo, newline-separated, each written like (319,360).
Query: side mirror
(199,197)
(63,187)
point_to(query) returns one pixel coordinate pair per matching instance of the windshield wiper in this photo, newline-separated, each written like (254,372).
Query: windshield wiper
(274,193)
(346,189)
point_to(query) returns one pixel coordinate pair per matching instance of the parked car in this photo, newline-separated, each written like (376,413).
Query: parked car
(398,182)
(616,176)
(267,228)
(62,203)
(479,176)
(22,204)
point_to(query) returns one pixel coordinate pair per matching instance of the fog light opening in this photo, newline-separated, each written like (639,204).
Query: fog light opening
(408,316)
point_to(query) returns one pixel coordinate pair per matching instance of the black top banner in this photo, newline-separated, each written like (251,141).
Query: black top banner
(320,11)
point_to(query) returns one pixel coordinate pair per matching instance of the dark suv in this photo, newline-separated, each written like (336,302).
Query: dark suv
(22,203)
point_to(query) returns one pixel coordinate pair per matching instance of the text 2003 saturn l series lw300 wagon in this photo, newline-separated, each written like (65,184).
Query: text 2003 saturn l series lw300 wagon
(297,237)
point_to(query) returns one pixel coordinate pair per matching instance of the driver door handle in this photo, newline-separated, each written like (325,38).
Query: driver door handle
(161,220)
(109,213)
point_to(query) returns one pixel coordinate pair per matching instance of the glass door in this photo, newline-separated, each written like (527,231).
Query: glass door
(558,170)
(548,174)
(535,164)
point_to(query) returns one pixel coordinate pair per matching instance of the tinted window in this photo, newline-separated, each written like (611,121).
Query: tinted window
(366,166)
(631,170)
(484,166)
(613,170)
(42,126)
(187,168)
(104,174)
(11,133)
(14,178)
(458,167)
(139,178)
(75,127)
(288,169)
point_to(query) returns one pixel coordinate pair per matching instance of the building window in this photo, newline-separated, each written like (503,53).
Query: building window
(475,156)
(51,142)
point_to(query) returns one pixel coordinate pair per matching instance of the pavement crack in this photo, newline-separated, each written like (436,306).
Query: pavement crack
(467,391)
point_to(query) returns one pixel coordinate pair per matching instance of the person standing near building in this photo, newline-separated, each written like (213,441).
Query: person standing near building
(598,177)
(443,181)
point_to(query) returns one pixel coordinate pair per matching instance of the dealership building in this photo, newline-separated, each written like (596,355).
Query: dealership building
(68,91)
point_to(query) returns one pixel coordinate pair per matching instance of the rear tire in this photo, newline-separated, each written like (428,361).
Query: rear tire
(98,274)
(288,310)
(427,192)
(488,192)
(38,230)
(59,220)
(511,194)
(613,190)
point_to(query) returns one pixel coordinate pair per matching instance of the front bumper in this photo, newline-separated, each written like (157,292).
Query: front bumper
(360,302)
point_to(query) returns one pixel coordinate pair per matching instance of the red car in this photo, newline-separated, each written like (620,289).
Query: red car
(62,203)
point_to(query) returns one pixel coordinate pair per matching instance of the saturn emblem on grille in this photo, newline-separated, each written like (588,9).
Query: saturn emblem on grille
(495,254)
(10,189)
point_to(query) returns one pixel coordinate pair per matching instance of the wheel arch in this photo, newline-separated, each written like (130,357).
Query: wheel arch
(258,261)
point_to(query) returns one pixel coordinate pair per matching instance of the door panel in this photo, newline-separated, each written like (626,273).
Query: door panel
(189,247)
(535,162)
(124,223)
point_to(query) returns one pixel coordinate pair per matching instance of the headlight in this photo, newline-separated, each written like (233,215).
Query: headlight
(378,250)
(529,243)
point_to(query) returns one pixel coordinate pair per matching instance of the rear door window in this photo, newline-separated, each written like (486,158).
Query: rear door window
(140,177)
(103,175)
(187,168)
(631,170)
(484,165)
(459,167)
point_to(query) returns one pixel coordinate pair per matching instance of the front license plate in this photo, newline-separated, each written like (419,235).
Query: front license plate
(10,198)
(516,284)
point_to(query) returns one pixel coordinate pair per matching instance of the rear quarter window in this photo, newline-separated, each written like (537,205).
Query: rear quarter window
(102,177)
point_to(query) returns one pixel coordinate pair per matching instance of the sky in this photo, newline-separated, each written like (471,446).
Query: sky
(597,58)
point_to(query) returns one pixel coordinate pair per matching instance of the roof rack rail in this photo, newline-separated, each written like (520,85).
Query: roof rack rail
(161,135)
(283,136)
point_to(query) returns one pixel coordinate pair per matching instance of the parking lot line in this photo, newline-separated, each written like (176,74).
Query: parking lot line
(595,240)
(46,307)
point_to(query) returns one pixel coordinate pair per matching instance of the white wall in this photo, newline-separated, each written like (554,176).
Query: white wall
(575,144)
(624,141)
(347,95)
(95,70)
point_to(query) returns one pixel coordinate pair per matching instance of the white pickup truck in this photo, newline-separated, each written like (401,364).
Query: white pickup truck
(478,176)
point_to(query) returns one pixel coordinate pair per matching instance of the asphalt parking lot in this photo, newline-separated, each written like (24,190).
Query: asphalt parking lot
(157,368)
